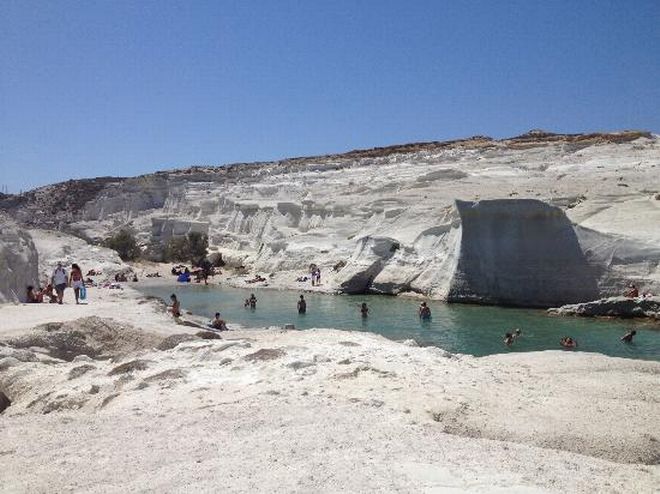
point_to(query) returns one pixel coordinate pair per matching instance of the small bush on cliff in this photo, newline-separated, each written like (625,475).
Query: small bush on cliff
(198,245)
(125,244)
(187,249)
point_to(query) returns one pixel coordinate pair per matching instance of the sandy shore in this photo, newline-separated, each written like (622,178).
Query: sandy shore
(320,410)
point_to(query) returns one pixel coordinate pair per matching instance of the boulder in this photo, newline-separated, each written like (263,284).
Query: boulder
(19,262)
(613,307)
(519,252)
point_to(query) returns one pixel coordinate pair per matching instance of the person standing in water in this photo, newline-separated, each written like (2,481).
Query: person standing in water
(253,301)
(364,310)
(302,305)
(76,281)
(424,311)
(59,281)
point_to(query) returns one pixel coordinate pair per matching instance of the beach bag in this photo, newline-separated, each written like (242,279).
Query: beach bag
(83,293)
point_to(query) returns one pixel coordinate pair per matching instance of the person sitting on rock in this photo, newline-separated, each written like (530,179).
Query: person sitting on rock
(50,293)
(632,291)
(508,339)
(175,308)
(33,297)
(628,337)
(218,323)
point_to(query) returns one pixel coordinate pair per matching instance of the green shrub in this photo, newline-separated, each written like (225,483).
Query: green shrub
(125,244)
(190,248)
(198,244)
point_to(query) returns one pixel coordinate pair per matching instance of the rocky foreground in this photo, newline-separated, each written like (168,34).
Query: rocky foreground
(99,405)
(113,396)
(624,307)
(536,220)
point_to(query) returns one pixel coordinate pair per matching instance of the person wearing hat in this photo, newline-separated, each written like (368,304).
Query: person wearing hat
(59,281)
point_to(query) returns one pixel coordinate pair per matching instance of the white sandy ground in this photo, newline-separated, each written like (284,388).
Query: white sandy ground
(331,411)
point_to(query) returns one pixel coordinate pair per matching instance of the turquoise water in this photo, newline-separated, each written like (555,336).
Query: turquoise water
(471,329)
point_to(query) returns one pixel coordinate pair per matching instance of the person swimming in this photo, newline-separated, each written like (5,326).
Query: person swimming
(568,342)
(424,311)
(628,337)
(364,310)
(508,339)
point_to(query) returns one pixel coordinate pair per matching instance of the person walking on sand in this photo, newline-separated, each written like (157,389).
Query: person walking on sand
(302,305)
(76,281)
(59,281)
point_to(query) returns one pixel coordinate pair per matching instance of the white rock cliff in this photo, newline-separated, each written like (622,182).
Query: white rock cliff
(537,220)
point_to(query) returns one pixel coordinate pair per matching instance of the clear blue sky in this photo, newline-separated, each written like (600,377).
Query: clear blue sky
(112,87)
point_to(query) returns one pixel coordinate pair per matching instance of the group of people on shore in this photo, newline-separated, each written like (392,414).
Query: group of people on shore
(633,292)
(59,281)
(316,276)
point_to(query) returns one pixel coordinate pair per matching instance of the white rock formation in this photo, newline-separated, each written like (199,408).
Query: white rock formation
(522,252)
(54,247)
(18,261)
(390,216)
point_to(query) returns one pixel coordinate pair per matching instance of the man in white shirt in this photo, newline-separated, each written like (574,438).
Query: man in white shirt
(59,280)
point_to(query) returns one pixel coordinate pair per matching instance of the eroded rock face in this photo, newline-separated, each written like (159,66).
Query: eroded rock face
(387,216)
(519,252)
(18,262)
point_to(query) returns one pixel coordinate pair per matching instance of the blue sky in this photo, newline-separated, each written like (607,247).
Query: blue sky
(91,88)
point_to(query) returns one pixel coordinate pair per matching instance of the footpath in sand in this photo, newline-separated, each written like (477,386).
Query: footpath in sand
(300,411)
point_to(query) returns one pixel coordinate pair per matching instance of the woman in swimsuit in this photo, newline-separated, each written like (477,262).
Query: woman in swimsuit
(175,308)
(76,280)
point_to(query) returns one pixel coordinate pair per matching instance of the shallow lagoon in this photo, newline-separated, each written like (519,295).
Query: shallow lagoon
(471,329)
